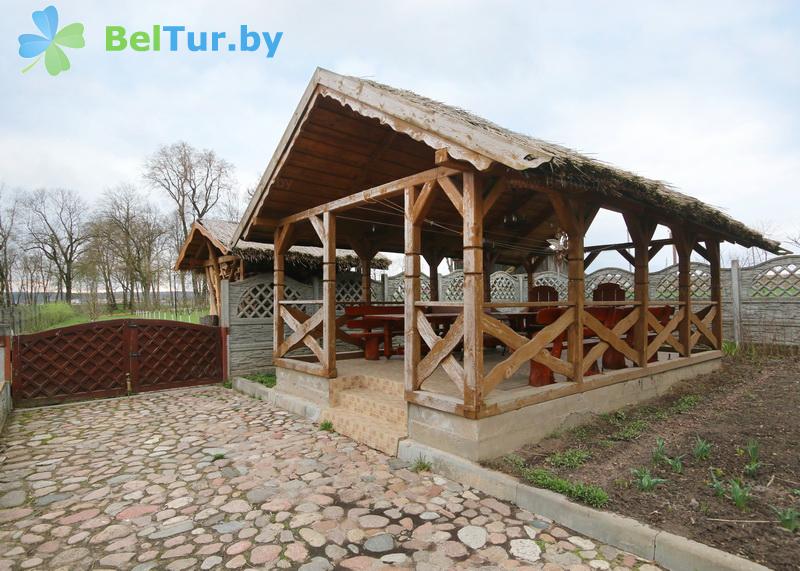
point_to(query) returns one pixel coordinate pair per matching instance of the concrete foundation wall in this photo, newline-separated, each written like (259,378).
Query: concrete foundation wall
(309,387)
(497,435)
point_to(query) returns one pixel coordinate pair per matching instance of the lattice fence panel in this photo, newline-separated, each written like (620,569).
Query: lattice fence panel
(503,287)
(554,280)
(700,283)
(398,293)
(256,302)
(175,354)
(781,280)
(610,276)
(348,290)
(454,287)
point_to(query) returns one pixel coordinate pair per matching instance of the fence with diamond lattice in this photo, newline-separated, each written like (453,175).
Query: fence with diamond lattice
(249,306)
(112,358)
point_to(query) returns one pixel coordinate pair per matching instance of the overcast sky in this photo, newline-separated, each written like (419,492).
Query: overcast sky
(703,95)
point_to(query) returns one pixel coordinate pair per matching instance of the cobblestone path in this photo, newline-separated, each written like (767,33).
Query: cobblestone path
(211,479)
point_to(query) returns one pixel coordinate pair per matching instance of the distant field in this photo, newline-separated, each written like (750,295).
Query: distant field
(32,319)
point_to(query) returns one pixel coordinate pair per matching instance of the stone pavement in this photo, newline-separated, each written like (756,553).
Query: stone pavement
(211,479)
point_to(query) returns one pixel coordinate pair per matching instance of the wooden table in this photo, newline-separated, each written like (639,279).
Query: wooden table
(388,320)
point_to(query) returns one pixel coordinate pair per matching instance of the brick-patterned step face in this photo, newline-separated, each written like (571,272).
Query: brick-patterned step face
(368,430)
(370,410)
(378,384)
(377,405)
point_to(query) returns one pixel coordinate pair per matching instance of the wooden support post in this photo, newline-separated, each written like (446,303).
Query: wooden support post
(366,250)
(366,280)
(329,293)
(473,293)
(641,231)
(712,247)
(736,302)
(684,245)
(576,296)
(413,237)
(434,257)
(278,291)
(575,217)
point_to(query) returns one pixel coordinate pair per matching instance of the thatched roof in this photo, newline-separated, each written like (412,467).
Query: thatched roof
(482,143)
(220,234)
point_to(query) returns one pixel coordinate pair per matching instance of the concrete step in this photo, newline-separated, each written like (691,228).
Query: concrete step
(376,404)
(375,433)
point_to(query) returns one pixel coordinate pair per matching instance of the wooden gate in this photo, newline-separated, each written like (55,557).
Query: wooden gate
(113,358)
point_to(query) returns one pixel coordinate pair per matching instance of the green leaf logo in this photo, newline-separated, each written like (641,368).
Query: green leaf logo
(51,41)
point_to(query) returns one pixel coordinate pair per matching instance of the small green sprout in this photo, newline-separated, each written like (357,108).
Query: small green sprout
(702,449)
(421,465)
(740,494)
(789,518)
(660,451)
(326,425)
(645,481)
(716,484)
(676,464)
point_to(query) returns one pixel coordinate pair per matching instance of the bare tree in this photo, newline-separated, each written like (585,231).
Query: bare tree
(136,231)
(193,179)
(8,220)
(794,239)
(57,227)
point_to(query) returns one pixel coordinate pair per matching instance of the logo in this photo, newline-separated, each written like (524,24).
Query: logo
(49,44)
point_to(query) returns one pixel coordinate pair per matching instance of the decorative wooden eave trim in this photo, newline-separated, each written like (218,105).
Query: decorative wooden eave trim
(197,227)
(292,128)
(402,116)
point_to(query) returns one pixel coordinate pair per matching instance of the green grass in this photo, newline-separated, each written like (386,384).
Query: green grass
(686,403)
(569,459)
(266,379)
(631,430)
(326,425)
(59,314)
(588,494)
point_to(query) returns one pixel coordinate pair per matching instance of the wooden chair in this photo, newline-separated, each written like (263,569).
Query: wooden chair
(540,375)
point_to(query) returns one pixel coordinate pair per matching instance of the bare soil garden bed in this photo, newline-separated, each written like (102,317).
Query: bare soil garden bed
(747,413)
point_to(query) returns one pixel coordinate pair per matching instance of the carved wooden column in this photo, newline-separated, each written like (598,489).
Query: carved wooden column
(329,293)
(282,241)
(684,244)
(473,292)
(434,257)
(413,236)
(366,281)
(641,231)
(575,216)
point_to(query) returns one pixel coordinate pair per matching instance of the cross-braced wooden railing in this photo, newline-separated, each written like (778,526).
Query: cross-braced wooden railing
(440,351)
(524,350)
